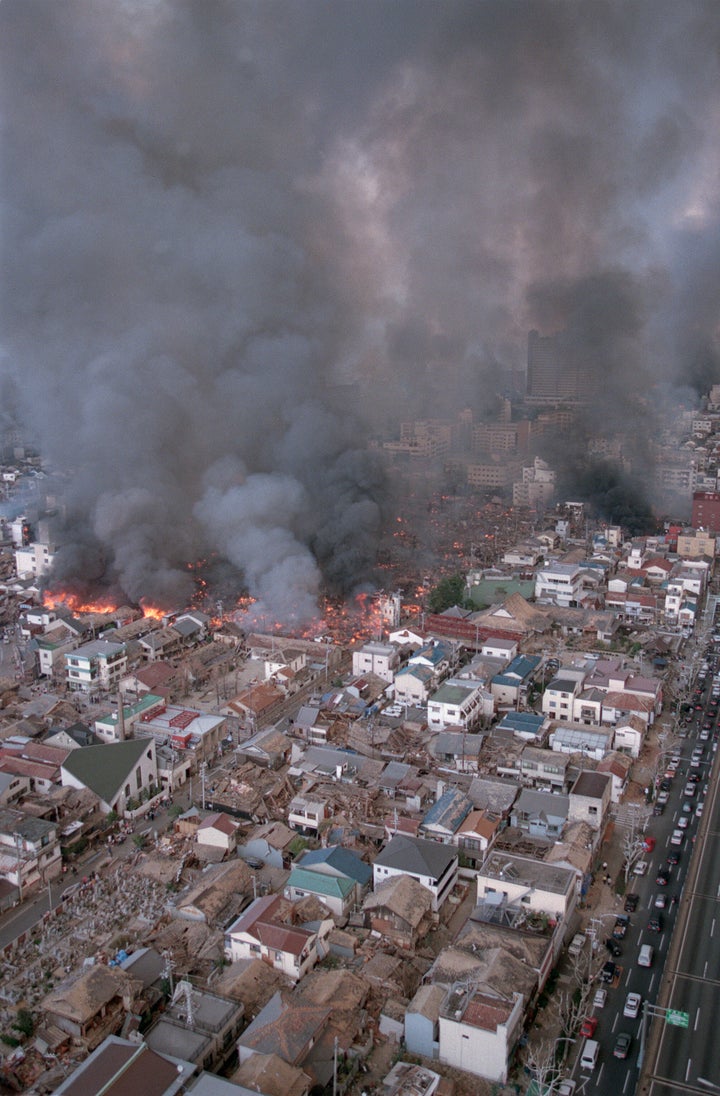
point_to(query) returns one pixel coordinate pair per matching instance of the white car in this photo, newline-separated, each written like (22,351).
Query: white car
(660,902)
(683,822)
(600,997)
(632,1005)
(677,837)
(699,810)
(640,868)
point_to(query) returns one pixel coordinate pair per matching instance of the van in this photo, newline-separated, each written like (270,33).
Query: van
(577,944)
(589,1056)
(645,957)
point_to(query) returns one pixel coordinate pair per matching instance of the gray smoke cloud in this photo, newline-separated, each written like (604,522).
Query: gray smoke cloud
(238,235)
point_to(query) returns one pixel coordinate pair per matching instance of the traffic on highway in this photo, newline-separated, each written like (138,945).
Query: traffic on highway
(662,971)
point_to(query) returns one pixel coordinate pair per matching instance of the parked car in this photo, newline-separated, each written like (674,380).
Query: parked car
(622,924)
(609,971)
(640,868)
(588,1027)
(631,902)
(613,947)
(649,843)
(600,997)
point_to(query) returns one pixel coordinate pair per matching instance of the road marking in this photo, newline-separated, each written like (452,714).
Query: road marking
(697,1019)
(705,970)
(687,1071)
(712,928)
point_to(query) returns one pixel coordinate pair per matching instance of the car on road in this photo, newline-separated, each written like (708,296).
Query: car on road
(683,822)
(609,971)
(600,997)
(662,878)
(687,807)
(632,1005)
(588,1027)
(676,838)
(660,901)
(622,1045)
(655,924)
(699,810)
(673,857)
(621,926)
(631,902)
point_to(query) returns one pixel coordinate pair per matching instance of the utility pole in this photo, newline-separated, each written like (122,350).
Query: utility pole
(335,1048)
(18,847)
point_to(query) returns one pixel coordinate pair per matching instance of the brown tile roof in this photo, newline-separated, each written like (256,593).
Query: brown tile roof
(124,1070)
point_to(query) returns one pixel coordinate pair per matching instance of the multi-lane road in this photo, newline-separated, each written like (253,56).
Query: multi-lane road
(685,973)
(687,1060)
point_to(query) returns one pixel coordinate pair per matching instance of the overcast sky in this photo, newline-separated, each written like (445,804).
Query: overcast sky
(213,213)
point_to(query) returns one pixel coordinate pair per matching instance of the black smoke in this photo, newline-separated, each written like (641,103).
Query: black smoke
(218,217)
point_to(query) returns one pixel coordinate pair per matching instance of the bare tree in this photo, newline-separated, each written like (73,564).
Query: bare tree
(633,843)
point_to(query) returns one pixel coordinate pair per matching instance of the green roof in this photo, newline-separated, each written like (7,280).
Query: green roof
(104,769)
(318,883)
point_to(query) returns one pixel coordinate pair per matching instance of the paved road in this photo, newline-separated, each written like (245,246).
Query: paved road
(678,1057)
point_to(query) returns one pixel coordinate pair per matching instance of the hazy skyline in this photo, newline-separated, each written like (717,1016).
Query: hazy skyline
(214,213)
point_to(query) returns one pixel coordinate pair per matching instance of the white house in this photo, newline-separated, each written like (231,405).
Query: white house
(218,831)
(505,879)
(432,864)
(266,931)
(456,704)
(381,659)
(479,1030)
(560,584)
(96,666)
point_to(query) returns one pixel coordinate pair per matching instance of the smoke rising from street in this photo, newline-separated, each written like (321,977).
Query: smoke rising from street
(238,236)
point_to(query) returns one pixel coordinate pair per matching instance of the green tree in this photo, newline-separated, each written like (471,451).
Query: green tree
(448,592)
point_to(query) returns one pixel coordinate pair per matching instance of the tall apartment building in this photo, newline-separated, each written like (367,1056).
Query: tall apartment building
(706,511)
(555,373)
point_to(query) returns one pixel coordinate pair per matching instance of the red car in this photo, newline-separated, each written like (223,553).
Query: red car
(649,844)
(588,1029)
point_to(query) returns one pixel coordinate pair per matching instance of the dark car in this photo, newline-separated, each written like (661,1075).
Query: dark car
(694,778)
(663,878)
(665,785)
(613,947)
(658,808)
(631,902)
(609,971)
(622,1045)
(655,924)
(673,857)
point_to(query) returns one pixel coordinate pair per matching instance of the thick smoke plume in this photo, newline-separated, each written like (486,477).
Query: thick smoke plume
(232,231)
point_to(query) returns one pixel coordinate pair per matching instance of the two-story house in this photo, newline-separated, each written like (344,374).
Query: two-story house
(433,864)
(268,930)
